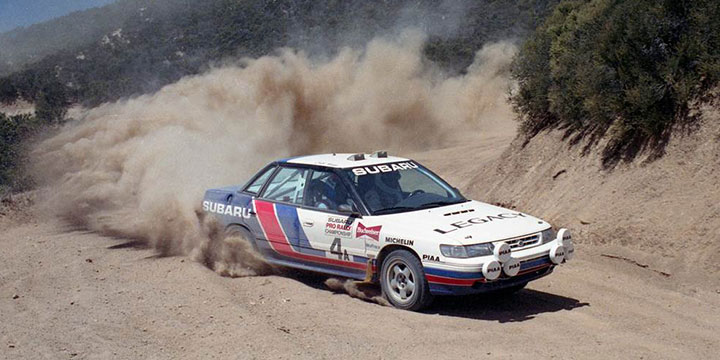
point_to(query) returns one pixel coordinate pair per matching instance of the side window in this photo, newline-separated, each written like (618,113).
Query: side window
(287,185)
(256,185)
(326,191)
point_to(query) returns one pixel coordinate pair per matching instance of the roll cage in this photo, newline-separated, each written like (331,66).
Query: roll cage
(277,165)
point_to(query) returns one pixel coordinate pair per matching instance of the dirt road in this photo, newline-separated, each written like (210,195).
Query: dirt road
(67,293)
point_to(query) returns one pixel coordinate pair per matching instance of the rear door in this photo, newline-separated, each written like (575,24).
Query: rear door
(277,210)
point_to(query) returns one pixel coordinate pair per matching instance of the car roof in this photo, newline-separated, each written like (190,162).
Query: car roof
(342,160)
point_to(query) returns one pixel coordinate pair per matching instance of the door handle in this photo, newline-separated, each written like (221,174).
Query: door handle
(308,223)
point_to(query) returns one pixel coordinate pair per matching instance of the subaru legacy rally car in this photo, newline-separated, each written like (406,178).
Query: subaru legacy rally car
(376,217)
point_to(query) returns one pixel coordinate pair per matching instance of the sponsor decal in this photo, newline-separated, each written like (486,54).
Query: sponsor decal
(371,245)
(477,221)
(394,240)
(430,258)
(339,226)
(376,169)
(504,252)
(226,209)
(372,232)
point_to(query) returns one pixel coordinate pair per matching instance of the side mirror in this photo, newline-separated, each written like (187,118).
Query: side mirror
(349,210)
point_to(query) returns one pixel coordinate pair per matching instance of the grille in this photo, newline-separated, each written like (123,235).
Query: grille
(523,242)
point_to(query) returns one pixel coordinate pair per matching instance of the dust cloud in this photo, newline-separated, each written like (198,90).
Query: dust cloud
(229,255)
(356,290)
(138,168)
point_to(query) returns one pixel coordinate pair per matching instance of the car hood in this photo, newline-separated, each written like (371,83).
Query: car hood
(471,222)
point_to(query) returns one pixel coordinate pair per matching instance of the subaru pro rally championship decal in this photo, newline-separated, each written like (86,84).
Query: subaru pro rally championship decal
(339,226)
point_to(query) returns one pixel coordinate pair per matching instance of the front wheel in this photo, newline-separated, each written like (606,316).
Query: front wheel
(403,281)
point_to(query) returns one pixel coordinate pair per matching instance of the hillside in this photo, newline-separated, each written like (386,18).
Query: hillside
(661,212)
(150,44)
(30,44)
(135,47)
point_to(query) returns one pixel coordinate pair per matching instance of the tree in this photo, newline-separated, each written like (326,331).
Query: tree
(629,66)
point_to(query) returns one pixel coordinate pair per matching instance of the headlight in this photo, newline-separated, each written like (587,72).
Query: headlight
(548,235)
(453,251)
(479,250)
(468,251)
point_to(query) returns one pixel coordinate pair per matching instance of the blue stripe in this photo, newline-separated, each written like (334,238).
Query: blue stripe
(478,275)
(453,274)
(290,223)
(324,268)
(285,160)
(534,263)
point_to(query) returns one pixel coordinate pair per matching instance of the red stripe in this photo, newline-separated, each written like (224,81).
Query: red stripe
(470,282)
(270,225)
(451,281)
(533,269)
(279,241)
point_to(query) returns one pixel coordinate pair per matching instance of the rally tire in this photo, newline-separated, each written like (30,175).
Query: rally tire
(237,230)
(403,281)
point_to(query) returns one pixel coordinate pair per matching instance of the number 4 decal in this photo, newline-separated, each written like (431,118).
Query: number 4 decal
(336,248)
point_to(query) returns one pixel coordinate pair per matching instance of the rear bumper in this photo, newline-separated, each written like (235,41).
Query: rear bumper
(446,282)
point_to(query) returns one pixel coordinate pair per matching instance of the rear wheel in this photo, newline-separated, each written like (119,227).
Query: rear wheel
(236,231)
(403,281)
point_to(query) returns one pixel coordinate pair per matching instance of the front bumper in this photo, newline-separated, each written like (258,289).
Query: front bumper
(468,278)
(446,282)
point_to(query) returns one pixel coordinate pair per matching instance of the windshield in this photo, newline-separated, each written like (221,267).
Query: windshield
(399,187)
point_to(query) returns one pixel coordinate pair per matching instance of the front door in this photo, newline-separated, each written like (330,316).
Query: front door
(326,226)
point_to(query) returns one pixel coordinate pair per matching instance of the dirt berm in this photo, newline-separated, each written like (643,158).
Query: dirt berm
(660,213)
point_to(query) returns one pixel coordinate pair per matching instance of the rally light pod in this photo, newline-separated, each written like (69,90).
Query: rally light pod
(502,252)
(491,270)
(356,157)
(563,236)
(511,267)
(565,239)
(569,251)
(557,254)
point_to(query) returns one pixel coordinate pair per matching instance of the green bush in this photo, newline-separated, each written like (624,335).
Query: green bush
(14,130)
(629,66)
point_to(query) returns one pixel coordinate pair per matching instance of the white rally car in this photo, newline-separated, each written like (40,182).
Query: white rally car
(376,217)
